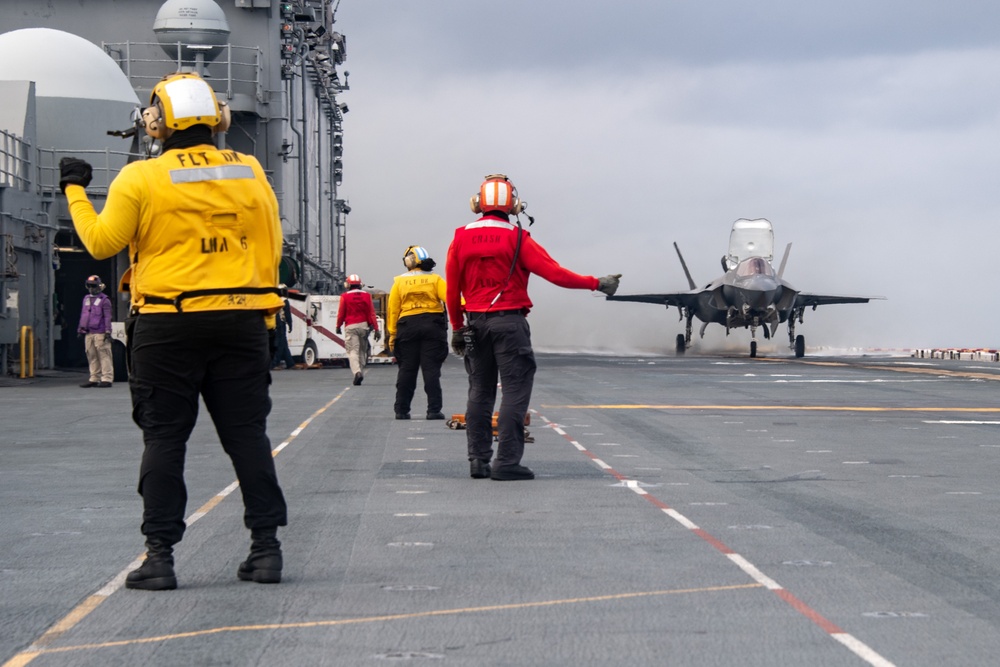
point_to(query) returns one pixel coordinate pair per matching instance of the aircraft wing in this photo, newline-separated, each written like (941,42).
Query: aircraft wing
(807,299)
(677,299)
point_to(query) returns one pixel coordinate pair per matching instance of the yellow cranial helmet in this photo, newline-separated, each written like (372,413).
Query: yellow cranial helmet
(180,101)
(414,256)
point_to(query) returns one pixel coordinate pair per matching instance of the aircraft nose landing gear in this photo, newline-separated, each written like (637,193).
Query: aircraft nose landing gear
(753,336)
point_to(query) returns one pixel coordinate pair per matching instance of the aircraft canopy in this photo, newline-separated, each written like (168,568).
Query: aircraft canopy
(754,266)
(750,238)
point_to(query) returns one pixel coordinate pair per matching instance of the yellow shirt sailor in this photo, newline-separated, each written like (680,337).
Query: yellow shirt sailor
(204,240)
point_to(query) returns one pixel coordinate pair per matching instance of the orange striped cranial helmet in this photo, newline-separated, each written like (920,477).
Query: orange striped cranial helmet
(497,193)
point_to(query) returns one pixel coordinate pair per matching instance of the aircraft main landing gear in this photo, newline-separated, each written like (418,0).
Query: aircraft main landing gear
(797,343)
(684,339)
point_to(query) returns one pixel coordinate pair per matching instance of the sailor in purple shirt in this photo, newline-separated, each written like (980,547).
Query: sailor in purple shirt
(95,328)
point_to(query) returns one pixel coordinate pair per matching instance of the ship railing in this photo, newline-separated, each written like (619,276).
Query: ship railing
(15,162)
(236,73)
(106,164)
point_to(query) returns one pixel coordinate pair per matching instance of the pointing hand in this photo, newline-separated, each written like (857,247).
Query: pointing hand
(609,284)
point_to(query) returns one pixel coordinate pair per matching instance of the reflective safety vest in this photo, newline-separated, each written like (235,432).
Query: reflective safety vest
(202,229)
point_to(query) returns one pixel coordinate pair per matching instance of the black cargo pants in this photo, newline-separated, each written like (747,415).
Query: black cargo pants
(223,357)
(502,350)
(421,346)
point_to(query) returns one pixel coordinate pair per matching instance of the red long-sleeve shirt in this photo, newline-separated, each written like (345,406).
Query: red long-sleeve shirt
(479,260)
(356,306)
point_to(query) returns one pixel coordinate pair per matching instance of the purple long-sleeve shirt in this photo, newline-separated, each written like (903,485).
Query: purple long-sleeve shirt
(96,314)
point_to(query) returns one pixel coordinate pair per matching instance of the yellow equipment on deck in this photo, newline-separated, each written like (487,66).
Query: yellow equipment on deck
(457,423)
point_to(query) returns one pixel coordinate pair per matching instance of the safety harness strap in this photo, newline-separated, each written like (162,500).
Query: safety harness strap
(213,291)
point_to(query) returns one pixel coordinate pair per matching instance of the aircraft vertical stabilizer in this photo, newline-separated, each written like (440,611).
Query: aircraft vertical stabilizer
(784,260)
(685,267)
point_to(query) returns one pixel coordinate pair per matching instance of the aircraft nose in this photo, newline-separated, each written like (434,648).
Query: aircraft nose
(756,292)
(758,283)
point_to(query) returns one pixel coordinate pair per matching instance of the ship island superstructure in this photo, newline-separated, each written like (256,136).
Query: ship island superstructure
(70,75)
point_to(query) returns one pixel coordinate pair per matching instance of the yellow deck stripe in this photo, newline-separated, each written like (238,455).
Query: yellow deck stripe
(81,611)
(391,617)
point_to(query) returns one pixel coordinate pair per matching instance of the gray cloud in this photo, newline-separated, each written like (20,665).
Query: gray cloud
(866,135)
(557,34)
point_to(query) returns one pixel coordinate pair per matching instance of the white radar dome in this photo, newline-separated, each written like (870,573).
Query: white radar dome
(198,23)
(80,91)
(62,65)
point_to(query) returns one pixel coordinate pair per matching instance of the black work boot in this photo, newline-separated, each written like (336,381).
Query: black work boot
(156,572)
(479,469)
(511,472)
(263,565)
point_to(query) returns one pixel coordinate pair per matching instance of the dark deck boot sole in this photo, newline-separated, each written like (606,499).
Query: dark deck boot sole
(263,570)
(511,473)
(152,575)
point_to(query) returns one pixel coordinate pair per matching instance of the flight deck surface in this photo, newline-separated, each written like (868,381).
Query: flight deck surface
(686,511)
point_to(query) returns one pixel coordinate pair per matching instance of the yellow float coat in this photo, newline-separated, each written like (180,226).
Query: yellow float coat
(413,293)
(193,219)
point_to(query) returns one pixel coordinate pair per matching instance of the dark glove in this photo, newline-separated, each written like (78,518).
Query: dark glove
(289,326)
(609,284)
(378,335)
(73,171)
(107,337)
(458,342)
(339,332)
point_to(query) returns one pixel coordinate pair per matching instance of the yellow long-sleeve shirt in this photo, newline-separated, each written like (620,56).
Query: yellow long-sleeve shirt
(413,293)
(193,219)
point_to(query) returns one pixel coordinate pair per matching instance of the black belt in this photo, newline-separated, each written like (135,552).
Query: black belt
(216,291)
(501,313)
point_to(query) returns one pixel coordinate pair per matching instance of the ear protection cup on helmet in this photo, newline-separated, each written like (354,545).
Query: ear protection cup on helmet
(496,193)
(413,256)
(225,119)
(152,121)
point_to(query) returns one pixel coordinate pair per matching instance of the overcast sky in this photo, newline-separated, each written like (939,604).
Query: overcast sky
(866,132)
